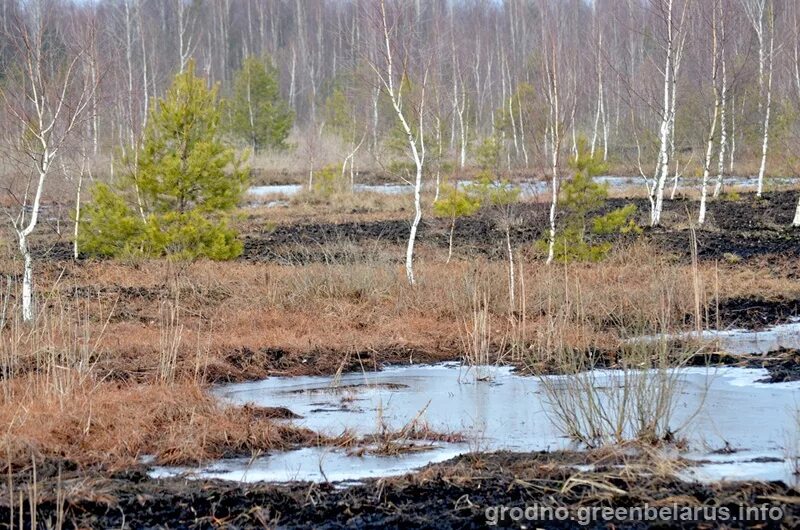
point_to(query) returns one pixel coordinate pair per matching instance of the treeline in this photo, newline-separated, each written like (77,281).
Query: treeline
(483,63)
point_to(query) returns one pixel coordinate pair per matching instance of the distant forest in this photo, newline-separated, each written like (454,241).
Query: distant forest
(483,65)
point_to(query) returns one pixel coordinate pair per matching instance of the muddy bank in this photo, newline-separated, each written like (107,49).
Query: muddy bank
(454,494)
(753,313)
(246,364)
(728,245)
(267,177)
(782,365)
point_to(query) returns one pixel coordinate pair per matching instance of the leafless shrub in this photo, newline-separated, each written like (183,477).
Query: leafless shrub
(476,338)
(634,401)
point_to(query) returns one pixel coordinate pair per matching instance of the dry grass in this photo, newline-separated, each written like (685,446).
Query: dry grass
(57,402)
(353,305)
(116,424)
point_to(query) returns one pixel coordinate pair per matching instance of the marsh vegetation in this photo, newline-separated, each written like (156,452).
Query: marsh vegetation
(389,263)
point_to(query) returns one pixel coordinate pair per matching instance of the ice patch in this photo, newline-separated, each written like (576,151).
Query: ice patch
(720,405)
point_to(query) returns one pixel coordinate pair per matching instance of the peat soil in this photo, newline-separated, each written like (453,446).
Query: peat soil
(454,494)
(747,228)
(264,177)
(756,313)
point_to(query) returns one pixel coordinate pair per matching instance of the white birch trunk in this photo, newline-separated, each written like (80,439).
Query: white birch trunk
(723,132)
(23,233)
(671,127)
(555,140)
(553,204)
(663,156)
(796,221)
(75,249)
(146,99)
(701,218)
(522,132)
(765,142)
(416,143)
(350,158)
(450,243)
(599,94)
(27,280)
(733,134)
(375,97)
(412,237)
(95,140)
(462,128)
(439,148)
(511,280)
(604,119)
(664,136)
(292,77)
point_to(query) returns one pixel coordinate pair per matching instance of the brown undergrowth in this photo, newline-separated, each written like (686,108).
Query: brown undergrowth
(116,364)
(114,425)
(237,321)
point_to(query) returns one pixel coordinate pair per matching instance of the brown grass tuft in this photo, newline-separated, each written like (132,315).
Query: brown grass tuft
(115,425)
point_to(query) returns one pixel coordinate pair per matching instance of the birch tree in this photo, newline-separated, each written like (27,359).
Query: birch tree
(796,220)
(674,40)
(796,72)
(343,119)
(557,115)
(757,11)
(186,23)
(713,127)
(723,133)
(768,104)
(45,99)
(600,114)
(386,71)
(555,135)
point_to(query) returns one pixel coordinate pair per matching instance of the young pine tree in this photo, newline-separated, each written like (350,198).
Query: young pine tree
(454,203)
(258,113)
(178,198)
(581,198)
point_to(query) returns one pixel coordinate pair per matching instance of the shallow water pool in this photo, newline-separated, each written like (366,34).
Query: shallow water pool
(723,407)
